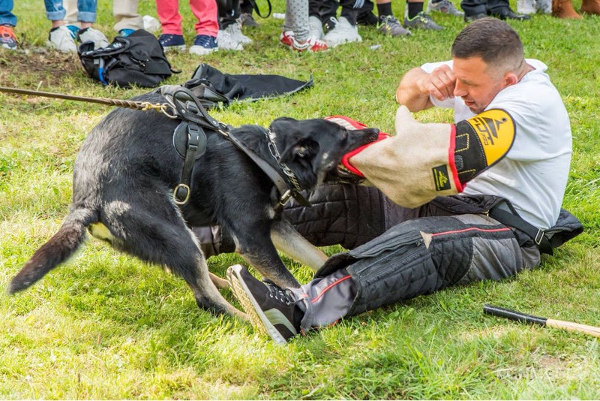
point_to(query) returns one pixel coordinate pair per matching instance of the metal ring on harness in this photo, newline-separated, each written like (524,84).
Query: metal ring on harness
(176,197)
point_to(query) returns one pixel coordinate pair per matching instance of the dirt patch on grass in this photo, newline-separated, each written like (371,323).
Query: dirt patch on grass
(30,67)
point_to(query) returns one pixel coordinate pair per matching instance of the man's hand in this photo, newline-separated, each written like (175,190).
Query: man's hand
(440,83)
(417,85)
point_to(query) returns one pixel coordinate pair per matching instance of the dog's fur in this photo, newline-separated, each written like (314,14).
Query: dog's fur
(124,177)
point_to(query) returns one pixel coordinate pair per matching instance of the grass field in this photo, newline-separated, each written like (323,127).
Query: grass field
(107,326)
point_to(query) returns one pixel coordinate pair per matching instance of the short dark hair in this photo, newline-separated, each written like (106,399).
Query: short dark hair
(491,39)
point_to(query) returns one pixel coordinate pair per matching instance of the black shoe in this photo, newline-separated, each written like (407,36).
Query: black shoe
(247,20)
(506,13)
(269,307)
(471,18)
(367,19)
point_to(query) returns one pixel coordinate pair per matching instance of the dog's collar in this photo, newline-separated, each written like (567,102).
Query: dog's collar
(287,192)
(282,191)
(277,156)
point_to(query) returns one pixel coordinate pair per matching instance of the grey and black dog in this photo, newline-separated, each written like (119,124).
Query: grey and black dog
(123,182)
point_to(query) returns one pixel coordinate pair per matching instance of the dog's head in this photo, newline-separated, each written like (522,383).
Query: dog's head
(313,149)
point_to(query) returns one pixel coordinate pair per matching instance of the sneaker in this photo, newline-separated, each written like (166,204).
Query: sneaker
(389,25)
(126,32)
(341,32)
(171,42)
(8,39)
(544,6)
(93,35)
(421,21)
(248,21)
(204,44)
(226,42)
(62,39)
(310,45)
(236,33)
(315,28)
(444,7)
(270,308)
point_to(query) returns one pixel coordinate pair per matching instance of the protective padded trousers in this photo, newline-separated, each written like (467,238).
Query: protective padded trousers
(413,258)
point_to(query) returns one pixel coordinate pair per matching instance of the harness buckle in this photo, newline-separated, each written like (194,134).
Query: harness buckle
(539,236)
(177,197)
(285,197)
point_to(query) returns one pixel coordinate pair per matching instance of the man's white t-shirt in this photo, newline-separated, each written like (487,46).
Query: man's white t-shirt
(533,175)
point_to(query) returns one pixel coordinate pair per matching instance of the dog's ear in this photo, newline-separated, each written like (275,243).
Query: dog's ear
(293,139)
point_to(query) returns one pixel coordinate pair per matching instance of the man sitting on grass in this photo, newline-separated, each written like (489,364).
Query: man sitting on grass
(480,199)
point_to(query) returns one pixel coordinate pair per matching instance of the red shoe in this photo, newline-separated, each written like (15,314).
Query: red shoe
(311,44)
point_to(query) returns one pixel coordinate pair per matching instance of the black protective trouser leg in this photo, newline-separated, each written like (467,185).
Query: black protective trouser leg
(414,258)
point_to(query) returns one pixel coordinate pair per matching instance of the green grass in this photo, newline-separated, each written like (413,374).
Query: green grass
(108,326)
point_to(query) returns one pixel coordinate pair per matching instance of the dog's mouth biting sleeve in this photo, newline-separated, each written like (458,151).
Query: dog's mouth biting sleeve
(345,170)
(423,161)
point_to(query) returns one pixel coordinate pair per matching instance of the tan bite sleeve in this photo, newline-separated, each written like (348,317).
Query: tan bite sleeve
(412,167)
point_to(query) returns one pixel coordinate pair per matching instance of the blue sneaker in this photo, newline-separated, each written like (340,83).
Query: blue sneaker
(171,42)
(203,45)
(126,32)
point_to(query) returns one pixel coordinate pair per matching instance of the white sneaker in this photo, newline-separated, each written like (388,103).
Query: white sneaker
(226,42)
(236,33)
(62,39)
(151,24)
(544,6)
(343,32)
(526,6)
(315,28)
(93,35)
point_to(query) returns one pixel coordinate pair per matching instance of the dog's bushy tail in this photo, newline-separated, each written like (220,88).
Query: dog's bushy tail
(57,250)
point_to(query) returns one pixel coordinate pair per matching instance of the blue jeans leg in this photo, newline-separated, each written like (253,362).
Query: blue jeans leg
(6,15)
(86,10)
(55,10)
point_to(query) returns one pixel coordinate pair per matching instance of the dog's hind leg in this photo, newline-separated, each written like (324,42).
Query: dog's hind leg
(159,235)
(294,245)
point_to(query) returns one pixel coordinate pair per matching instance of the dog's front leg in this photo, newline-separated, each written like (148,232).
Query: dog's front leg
(289,241)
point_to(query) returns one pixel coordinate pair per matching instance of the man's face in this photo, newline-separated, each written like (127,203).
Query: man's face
(476,84)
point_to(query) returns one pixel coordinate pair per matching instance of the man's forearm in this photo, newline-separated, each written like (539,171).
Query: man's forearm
(410,93)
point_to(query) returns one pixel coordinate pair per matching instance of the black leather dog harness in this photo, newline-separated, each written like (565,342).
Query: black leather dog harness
(189,140)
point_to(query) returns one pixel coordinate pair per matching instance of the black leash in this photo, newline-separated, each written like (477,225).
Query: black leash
(187,107)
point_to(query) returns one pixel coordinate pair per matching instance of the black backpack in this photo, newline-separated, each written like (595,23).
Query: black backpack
(137,59)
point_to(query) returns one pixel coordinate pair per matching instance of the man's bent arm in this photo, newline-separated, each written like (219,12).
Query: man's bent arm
(410,92)
(417,86)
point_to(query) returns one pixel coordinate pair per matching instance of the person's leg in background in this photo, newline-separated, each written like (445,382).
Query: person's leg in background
(86,16)
(501,9)
(230,36)
(207,26)
(296,32)
(415,17)
(444,7)
(474,9)
(387,23)
(60,37)
(127,18)
(170,20)
(8,21)
(343,29)
(246,18)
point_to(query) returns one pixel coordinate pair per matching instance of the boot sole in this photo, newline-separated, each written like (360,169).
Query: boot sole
(250,306)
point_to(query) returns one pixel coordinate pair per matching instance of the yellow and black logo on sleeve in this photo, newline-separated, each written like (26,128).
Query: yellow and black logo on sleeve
(482,141)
